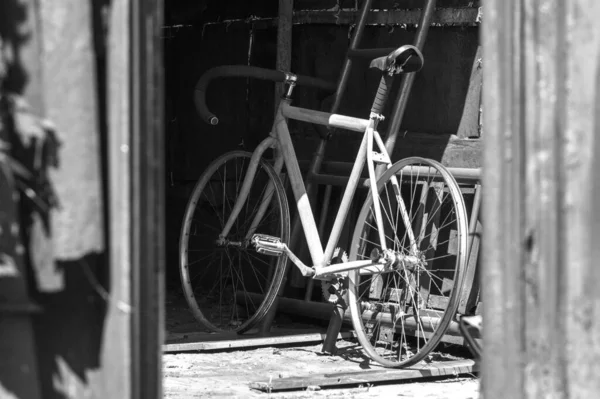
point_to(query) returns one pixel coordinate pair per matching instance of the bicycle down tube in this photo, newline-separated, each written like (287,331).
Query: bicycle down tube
(286,154)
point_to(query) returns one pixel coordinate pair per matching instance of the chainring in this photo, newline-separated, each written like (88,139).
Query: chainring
(335,288)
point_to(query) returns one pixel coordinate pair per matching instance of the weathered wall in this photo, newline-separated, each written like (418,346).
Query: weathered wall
(435,106)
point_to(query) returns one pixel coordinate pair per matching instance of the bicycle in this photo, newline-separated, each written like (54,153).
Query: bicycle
(414,214)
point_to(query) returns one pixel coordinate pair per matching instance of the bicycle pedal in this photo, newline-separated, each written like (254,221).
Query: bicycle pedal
(268,245)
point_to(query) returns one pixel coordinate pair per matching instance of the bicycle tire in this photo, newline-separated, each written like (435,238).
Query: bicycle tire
(209,205)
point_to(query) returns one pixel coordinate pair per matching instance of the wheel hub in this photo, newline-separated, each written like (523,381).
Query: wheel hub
(398,261)
(224,242)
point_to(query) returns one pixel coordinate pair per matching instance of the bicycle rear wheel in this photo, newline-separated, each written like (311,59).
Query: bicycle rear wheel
(222,279)
(400,315)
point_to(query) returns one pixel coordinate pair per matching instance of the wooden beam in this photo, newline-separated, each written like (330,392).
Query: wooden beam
(353,378)
(442,17)
(205,342)
(323,310)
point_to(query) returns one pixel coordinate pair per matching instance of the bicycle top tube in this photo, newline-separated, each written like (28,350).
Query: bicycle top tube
(325,118)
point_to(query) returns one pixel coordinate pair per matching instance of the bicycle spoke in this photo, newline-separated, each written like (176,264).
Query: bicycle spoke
(255,270)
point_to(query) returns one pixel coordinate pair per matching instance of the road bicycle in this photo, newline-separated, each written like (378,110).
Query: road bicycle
(234,241)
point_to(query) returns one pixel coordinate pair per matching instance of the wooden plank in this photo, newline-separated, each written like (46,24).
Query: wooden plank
(192,336)
(503,178)
(466,16)
(441,16)
(408,4)
(245,342)
(452,368)
(453,339)
(437,301)
(540,274)
(470,120)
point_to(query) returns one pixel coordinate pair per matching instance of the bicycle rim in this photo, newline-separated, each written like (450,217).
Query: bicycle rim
(401,315)
(230,287)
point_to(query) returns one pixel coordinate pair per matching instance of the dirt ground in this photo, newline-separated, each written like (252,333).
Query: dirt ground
(228,374)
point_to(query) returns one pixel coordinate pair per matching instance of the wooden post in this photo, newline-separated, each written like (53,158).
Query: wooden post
(541,302)
(147,206)
(137,224)
(284,63)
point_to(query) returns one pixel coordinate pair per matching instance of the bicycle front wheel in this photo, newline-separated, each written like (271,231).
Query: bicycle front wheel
(227,284)
(400,314)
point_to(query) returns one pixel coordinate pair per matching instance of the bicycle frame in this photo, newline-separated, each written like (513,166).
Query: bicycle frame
(280,139)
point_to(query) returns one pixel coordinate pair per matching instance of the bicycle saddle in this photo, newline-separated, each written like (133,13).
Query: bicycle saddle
(404,59)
